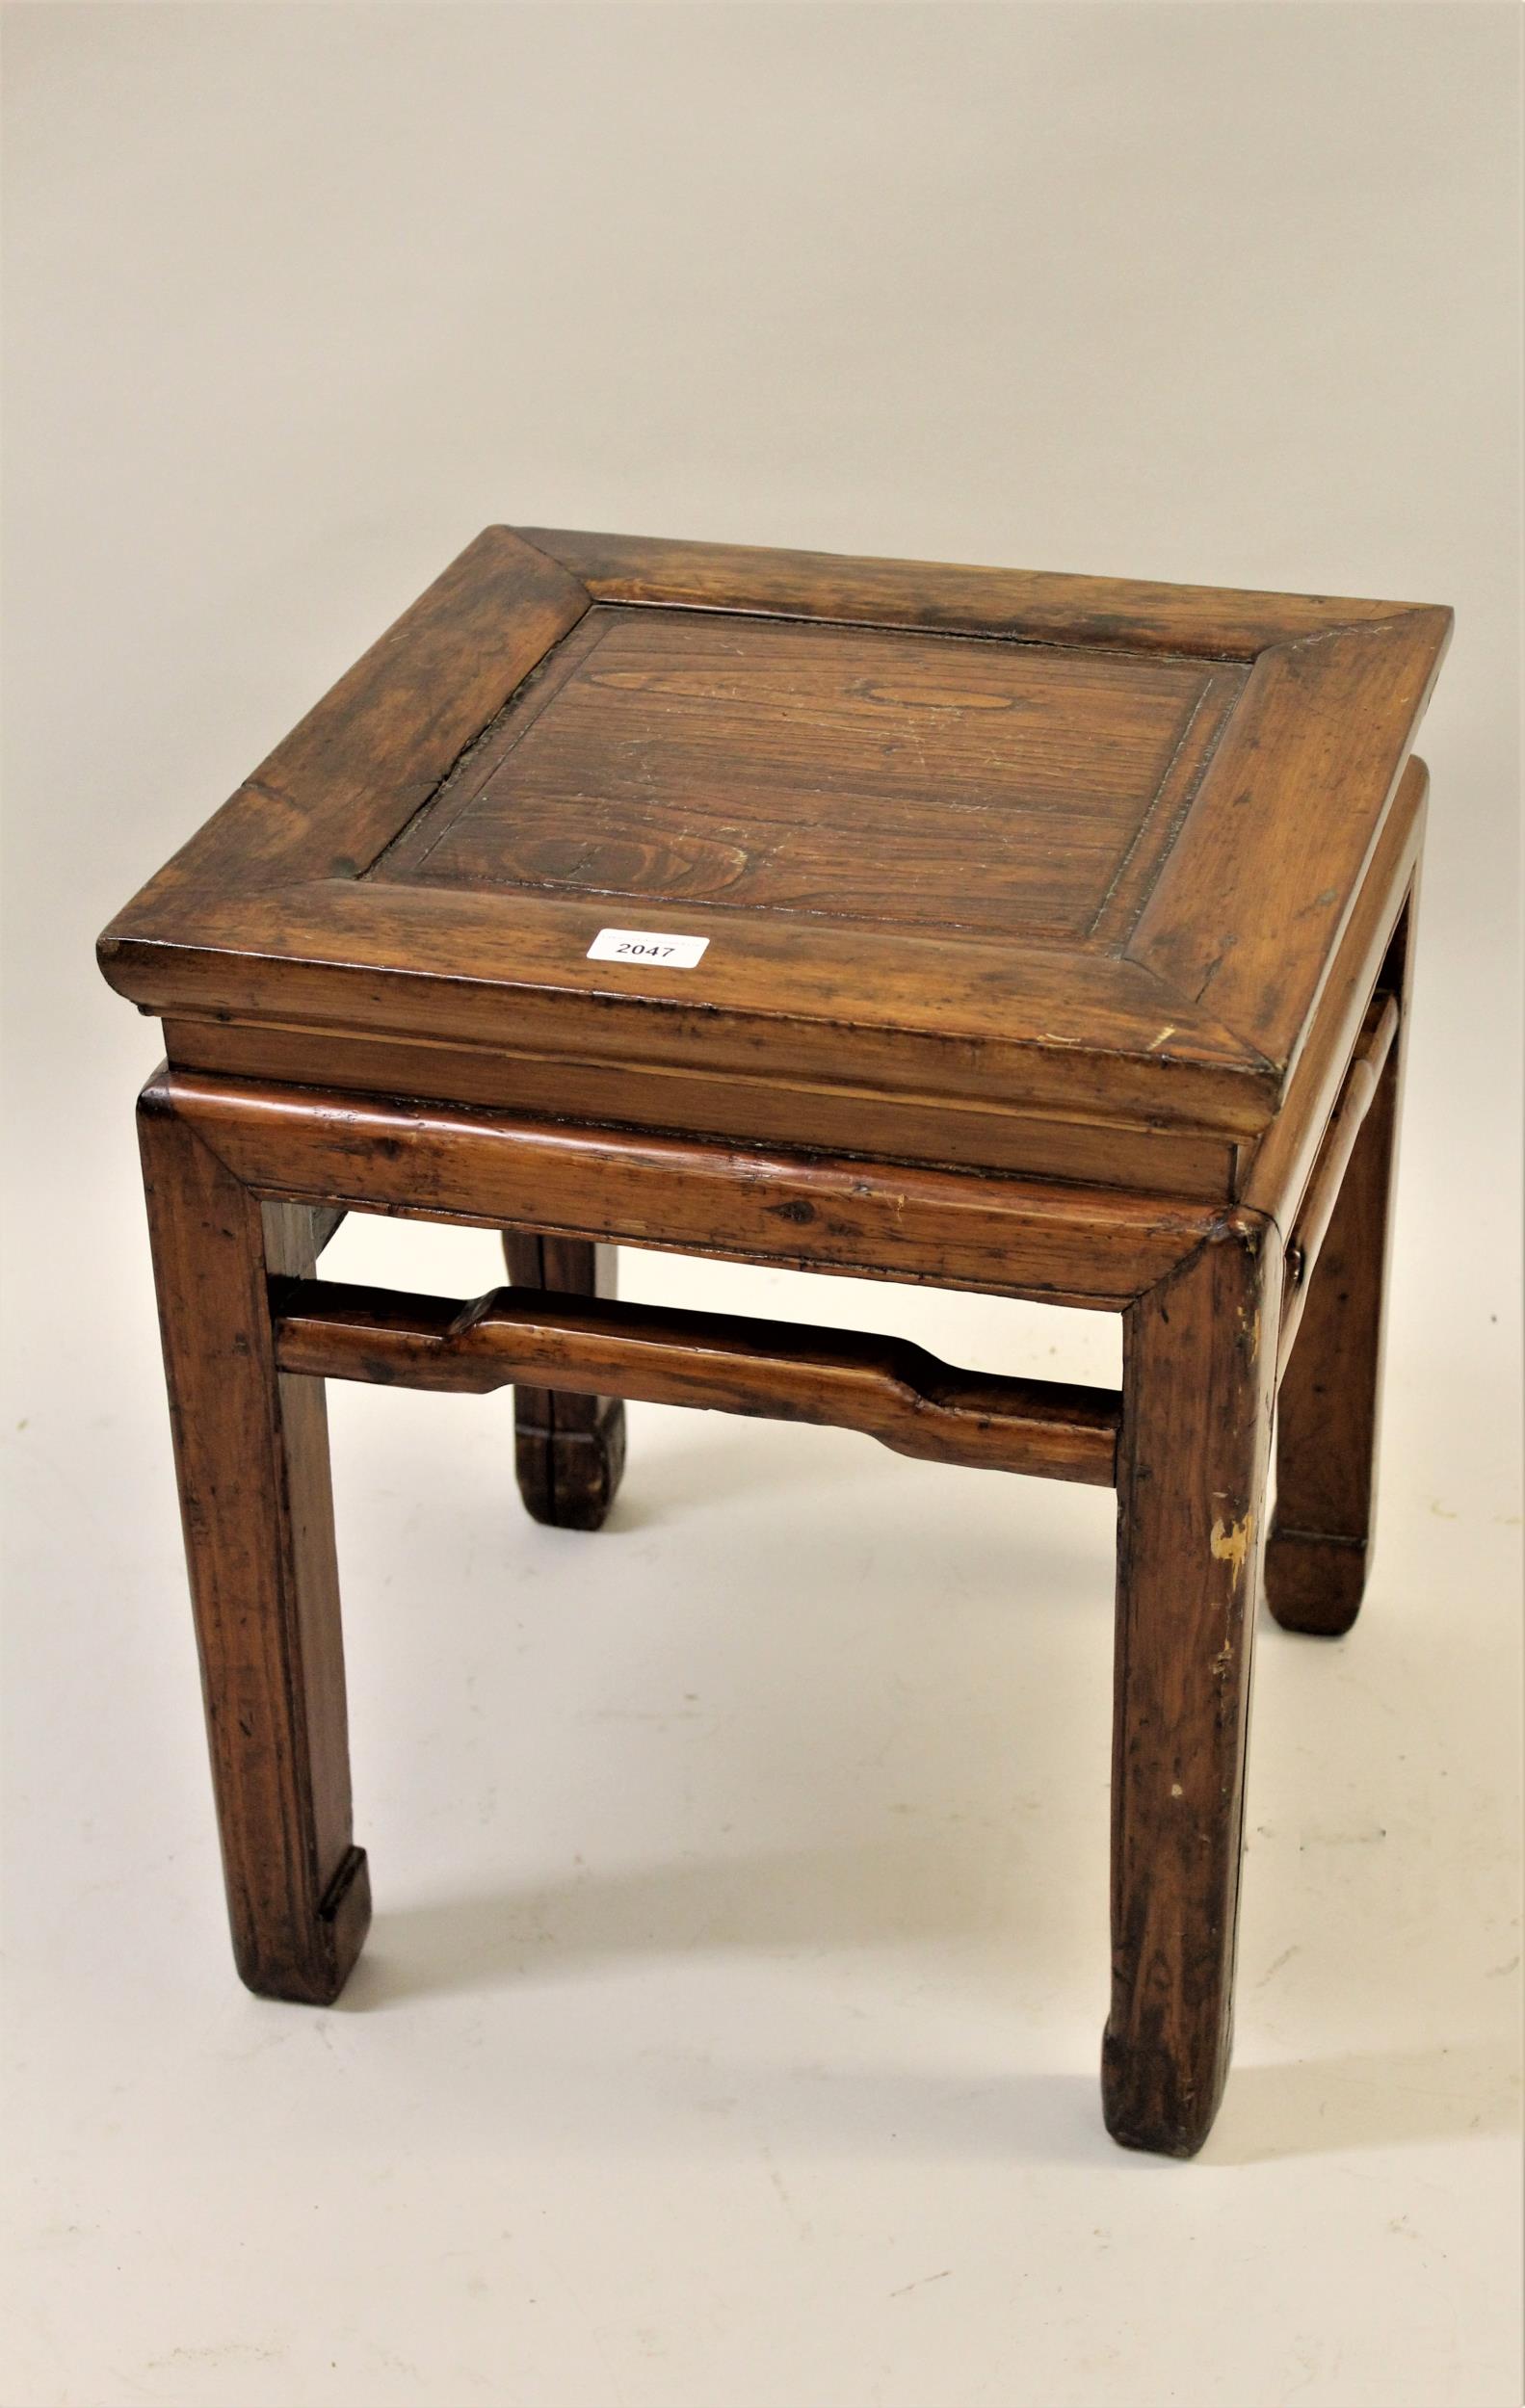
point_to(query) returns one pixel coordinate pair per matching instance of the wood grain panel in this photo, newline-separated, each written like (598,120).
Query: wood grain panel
(1258,885)
(355,770)
(770,766)
(1034,846)
(1213,622)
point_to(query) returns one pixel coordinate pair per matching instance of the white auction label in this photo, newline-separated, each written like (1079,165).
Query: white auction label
(643,945)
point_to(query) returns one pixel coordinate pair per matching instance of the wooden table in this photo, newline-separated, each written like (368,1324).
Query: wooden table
(1032,934)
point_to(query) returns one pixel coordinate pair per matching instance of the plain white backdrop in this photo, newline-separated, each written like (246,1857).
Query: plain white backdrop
(728,2029)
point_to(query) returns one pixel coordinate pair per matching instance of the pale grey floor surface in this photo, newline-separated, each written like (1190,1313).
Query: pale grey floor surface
(728,2028)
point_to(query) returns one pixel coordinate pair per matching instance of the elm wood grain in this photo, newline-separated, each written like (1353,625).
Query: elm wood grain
(1139,866)
(1278,1167)
(1318,1555)
(253,1455)
(778,1370)
(1208,622)
(1235,921)
(1198,1386)
(738,1106)
(1321,1198)
(354,771)
(568,1449)
(1242,892)
(1090,1247)
(768,766)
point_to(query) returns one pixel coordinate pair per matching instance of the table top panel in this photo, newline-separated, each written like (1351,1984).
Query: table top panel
(1078,846)
(666,758)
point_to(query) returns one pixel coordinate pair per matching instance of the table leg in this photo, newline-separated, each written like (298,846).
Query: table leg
(570,1451)
(1328,1411)
(252,1450)
(1199,1380)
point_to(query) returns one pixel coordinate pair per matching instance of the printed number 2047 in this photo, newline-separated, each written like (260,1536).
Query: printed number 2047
(656,945)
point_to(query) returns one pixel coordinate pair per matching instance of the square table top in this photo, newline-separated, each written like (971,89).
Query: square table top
(1038,872)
